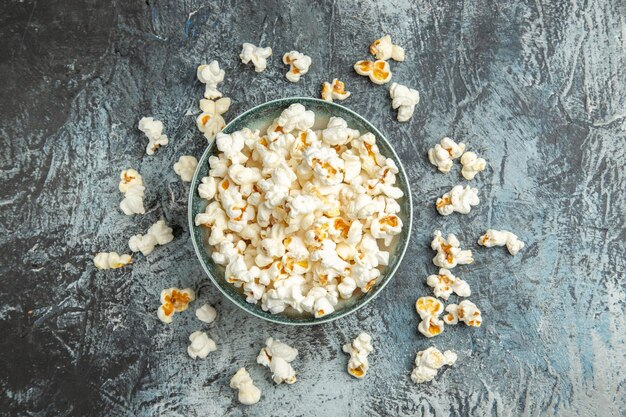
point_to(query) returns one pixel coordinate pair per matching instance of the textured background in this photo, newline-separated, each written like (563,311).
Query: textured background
(538,88)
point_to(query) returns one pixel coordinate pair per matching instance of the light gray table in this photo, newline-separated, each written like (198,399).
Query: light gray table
(537,88)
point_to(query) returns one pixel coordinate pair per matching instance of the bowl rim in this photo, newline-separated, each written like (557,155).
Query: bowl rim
(277,318)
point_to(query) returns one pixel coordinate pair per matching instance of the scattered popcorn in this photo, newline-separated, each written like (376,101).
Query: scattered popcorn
(111,260)
(404,99)
(445,284)
(258,56)
(449,253)
(206,313)
(334,91)
(185,167)
(298,218)
(443,153)
(379,71)
(201,345)
(131,184)
(501,238)
(211,75)
(158,234)
(359,350)
(472,165)
(211,121)
(429,309)
(153,129)
(384,49)
(248,393)
(428,361)
(299,65)
(174,300)
(458,200)
(465,311)
(278,357)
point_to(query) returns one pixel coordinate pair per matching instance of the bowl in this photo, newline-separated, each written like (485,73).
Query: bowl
(260,117)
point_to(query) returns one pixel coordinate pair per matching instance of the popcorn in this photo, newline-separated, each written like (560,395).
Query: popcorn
(278,357)
(386,228)
(443,153)
(295,116)
(111,260)
(465,311)
(428,361)
(258,56)
(445,284)
(299,65)
(429,309)
(449,253)
(153,129)
(404,99)
(174,300)
(211,75)
(501,238)
(207,188)
(458,200)
(472,165)
(201,345)
(296,216)
(359,350)
(158,234)
(334,91)
(206,313)
(384,49)
(379,71)
(248,393)
(211,121)
(185,167)
(131,184)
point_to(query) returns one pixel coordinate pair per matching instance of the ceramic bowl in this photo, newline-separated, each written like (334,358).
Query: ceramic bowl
(259,118)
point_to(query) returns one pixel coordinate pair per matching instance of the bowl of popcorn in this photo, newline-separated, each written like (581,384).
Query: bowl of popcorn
(300,211)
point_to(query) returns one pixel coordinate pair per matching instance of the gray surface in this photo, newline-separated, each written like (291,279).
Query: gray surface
(537,89)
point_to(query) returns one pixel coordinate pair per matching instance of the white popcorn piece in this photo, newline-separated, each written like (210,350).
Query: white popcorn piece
(153,129)
(131,184)
(465,311)
(296,116)
(359,350)
(444,284)
(428,362)
(334,91)
(386,228)
(444,153)
(378,71)
(174,300)
(384,49)
(404,99)
(211,121)
(206,313)
(248,393)
(158,234)
(258,56)
(459,199)
(319,301)
(201,345)
(277,356)
(429,309)
(493,238)
(449,253)
(299,65)
(185,167)
(472,165)
(207,188)
(211,75)
(111,260)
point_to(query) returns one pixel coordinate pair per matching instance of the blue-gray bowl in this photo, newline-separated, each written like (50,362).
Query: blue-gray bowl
(260,117)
